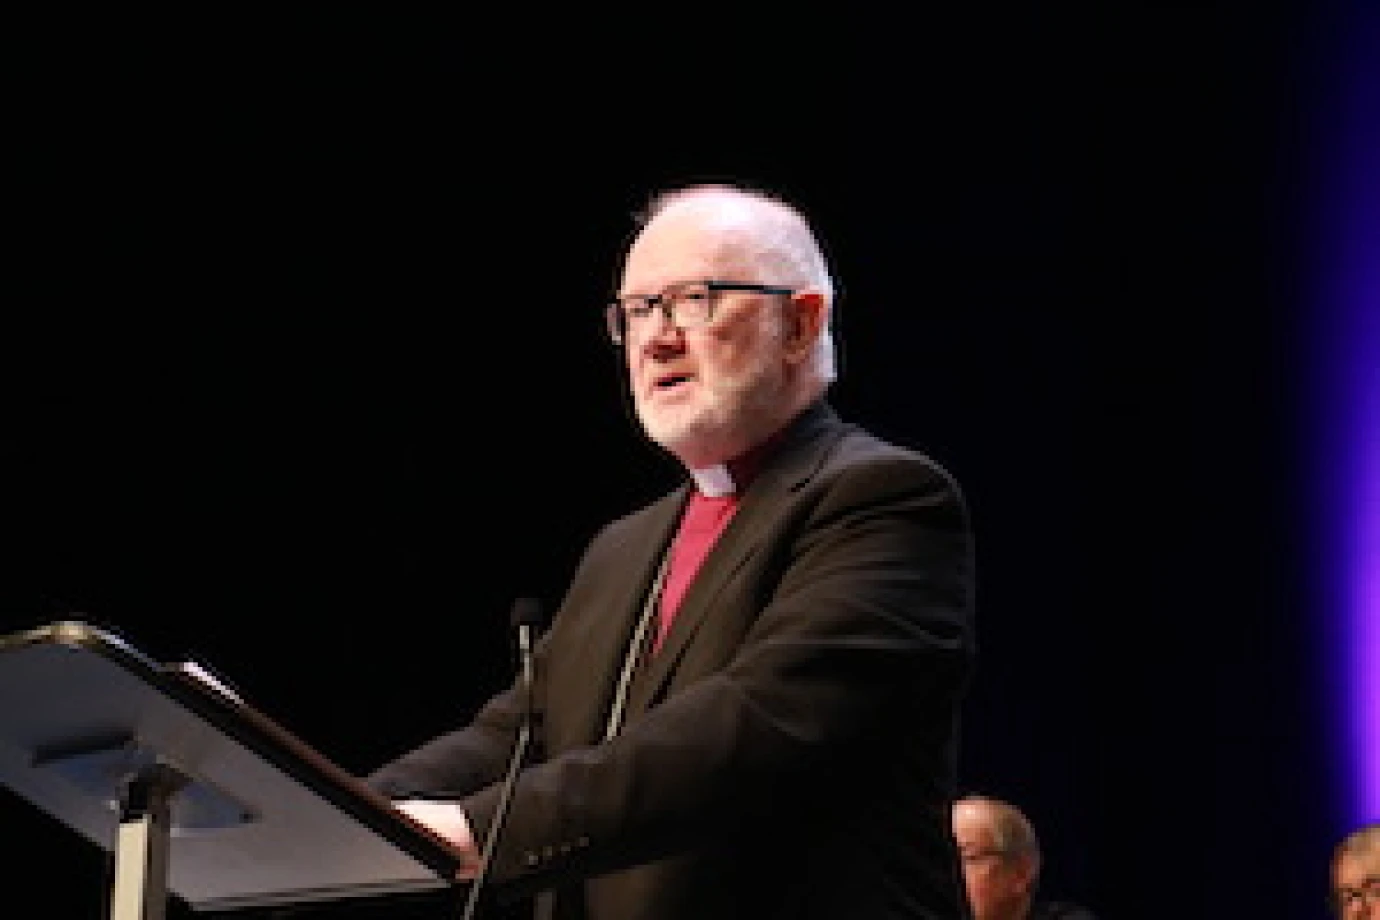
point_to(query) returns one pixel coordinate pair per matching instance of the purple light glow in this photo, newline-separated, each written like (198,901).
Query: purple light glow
(1358,519)
(1347,454)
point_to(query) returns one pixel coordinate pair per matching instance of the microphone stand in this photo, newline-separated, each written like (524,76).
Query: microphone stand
(525,613)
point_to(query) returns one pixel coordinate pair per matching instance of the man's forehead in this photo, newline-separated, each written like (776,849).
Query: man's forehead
(973,817)
(1359,864)
(683,250)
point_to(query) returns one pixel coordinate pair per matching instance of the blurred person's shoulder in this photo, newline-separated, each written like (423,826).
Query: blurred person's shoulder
(1060,910)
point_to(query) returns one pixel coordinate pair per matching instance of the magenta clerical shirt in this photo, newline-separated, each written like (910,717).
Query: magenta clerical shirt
(707,513)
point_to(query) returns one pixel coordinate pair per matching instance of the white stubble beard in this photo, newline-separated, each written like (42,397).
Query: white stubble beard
(721,421)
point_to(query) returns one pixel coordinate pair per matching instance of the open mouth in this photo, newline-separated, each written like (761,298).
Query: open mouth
(669,382)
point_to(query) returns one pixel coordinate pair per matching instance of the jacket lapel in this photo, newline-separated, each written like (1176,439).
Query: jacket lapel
(597,654)
(799,459)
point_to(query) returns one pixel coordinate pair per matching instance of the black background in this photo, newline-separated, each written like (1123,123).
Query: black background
(310,380)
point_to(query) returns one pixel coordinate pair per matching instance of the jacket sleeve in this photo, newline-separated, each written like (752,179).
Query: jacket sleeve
(460,762)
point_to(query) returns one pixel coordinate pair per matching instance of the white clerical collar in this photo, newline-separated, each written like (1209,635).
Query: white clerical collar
(714,481)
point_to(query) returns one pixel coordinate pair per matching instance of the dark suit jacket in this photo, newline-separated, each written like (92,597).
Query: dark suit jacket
(790,752)
(1059,910)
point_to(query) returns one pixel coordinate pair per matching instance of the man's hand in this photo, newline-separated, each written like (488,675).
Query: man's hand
(447,820)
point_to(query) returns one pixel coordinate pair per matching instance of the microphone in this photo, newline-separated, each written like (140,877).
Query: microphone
(526,617)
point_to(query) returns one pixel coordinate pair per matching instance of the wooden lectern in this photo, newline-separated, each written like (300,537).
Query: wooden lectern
(192,792)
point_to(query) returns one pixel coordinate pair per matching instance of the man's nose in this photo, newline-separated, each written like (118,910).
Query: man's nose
(661,333)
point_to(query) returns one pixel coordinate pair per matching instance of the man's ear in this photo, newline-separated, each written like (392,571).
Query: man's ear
(805,317)
(1026,871)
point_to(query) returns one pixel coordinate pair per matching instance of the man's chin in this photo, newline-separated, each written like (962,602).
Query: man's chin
(666,427)
(687,437)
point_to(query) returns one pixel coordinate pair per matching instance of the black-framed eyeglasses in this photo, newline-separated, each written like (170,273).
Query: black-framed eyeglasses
(685,305)
(1344,899)
(972,857)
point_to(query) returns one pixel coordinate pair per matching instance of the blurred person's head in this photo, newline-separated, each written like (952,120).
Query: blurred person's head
(1000,855)
(1356,874)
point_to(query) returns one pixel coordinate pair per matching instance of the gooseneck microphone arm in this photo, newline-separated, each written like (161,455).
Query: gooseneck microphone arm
(526,618)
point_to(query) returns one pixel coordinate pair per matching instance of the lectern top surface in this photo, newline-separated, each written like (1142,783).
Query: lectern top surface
(263,818)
